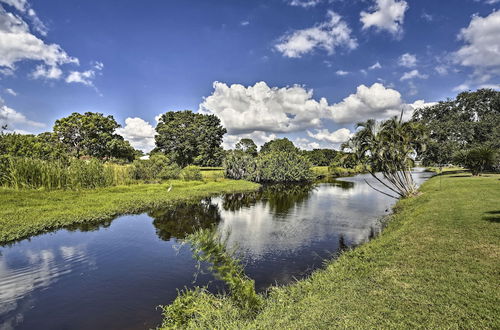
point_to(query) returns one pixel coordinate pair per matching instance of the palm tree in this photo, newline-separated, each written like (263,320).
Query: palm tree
(388,148)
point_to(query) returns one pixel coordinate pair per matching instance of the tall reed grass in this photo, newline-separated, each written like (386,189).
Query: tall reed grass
(30,173)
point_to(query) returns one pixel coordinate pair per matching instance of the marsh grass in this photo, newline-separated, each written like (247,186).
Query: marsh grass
(32,173)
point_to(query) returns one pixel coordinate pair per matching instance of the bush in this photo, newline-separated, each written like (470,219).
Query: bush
(280,166)
(191,173)
(158,167)
(271,166)
(239,165)
(477,159)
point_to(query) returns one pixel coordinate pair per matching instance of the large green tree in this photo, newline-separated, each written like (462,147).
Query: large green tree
(247,146)
(92,134)
(320,157)
(279,145)
(190,138)
(42,146)
(471,119)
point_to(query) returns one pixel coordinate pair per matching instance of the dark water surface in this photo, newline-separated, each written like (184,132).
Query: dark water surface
(113,275)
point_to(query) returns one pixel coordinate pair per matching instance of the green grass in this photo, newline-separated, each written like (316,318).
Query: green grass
(435,266)
(28,212)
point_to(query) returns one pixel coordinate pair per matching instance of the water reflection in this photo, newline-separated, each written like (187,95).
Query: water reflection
(184,219)
(119,271)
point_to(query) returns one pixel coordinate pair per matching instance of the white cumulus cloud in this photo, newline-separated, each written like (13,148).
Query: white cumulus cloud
(139,133)
(328,36)
(482,46)
(339,136)
(386,15)
(263,108)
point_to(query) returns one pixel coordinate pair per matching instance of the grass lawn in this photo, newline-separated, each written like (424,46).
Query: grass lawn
(28,212)
(435,266)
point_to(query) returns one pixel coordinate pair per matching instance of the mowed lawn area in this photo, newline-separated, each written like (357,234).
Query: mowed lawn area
(435,266)
(28,212)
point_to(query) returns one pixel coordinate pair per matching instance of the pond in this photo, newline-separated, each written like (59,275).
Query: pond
(113,275)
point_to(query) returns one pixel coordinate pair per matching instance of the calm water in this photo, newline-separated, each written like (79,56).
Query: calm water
(113,275)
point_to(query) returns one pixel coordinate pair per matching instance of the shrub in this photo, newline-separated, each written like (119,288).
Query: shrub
(158,167)
(280,166)
(191,173)
(477,159)
(239,165)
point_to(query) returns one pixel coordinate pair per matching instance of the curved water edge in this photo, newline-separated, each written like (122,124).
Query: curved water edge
(114,274)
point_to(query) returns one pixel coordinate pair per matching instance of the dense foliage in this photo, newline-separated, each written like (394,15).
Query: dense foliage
(248,146)
(281,166)
(320,157)
(477,159)
(389,147)
(157,167)
(191,173)
(278,145)
(43,146)
(92,134)
(190,138)
(470,120)
(33,173)
(280,161)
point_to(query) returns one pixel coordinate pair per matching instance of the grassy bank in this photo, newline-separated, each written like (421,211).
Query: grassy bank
(436,265)
(28,212)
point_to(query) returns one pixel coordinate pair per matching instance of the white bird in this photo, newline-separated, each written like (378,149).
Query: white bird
(169,188)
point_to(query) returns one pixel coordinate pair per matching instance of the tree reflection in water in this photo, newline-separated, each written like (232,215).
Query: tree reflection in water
(185,218)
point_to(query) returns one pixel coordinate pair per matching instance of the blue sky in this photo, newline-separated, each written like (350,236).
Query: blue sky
(306,69)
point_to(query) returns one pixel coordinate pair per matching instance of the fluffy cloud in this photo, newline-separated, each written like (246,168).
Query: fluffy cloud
(375,101)
(46,72)
(387,15)
(139,133)
(305,144)
(262,108)
(18,44)
(85,77)
(339,136)
(14,119)
(408,60)
(304,3)
(328,35)
(482,46)
(413,74)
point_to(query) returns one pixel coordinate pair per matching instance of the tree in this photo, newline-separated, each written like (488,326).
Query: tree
(276,145)
(470,120)
(44,146)
(92,134)
(320,157)
(389,147)
(190,138)
(248,146)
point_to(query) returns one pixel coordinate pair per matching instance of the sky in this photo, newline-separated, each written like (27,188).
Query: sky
(303,69)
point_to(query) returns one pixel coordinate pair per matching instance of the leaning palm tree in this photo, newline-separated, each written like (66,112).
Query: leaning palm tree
(388,150)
